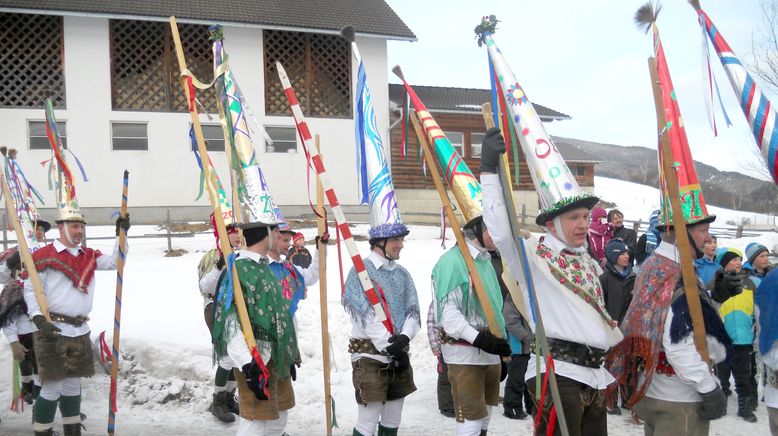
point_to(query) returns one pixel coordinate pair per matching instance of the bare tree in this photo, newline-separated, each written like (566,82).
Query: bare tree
(753,162)
(764,46)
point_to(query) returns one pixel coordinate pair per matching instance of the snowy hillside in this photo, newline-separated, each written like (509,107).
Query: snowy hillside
(166,380)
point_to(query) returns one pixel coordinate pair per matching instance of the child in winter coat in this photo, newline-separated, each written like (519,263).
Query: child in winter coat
(600,232)
(298,254)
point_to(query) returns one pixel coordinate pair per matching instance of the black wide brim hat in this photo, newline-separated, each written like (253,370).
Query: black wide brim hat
(43,223)
(587,201)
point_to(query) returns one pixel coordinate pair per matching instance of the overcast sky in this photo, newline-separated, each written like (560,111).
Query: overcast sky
(588,60)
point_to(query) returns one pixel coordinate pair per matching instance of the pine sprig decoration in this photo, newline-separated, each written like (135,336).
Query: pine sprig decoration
(488,25)
(646,15)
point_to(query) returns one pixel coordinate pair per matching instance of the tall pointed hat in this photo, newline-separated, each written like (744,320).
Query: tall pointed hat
(555,184)
(65,190)
(375,179)
(23,195)
(257,208)
(761,115)
(228,214)
(693,205)
(464,185)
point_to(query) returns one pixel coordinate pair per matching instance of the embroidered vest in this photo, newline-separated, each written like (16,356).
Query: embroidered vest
(79,269)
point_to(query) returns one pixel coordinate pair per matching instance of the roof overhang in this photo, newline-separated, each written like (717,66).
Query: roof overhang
(195,21)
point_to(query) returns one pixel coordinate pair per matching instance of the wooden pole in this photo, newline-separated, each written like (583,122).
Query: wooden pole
(480,290)
(117,313)
(325,332)
(24,249)
(681,240)
(240,304)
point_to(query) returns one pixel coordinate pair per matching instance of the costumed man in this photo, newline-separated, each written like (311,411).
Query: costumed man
(209,270)
(17,326)
(62,346)
(264,387)
(767,331)
(471,352)
(382,373)
(297,253)
(579,329)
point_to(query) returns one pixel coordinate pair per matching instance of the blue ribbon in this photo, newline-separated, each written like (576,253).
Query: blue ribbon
(226,289)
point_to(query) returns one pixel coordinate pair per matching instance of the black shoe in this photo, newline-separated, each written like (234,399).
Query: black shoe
(232,403)
(514,414)
(448,413)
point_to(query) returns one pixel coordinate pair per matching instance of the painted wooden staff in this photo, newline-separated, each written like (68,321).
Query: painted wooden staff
(478,285)
(321,222)
(684,248)
(24,249)
(117,313)
(240,303)
(340,219)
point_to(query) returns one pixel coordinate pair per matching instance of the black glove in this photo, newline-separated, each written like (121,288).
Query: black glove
(727,284)
(293,371)
(402,362)
(256,380)
(492,147)
(220,263)
(123,223)
(397,344)
(47,328)
(714,404)
(492,344)
(14,261)
(503,370)
(323,239)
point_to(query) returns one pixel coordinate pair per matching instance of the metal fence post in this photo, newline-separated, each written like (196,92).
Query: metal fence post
(169,242)
(636,225)
(739,232)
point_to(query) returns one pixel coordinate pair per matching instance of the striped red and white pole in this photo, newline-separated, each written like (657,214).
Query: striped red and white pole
(332,199)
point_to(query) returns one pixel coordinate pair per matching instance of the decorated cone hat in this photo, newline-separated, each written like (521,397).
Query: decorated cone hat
(65,191)
(375,179)
(257,208)
(555,184)
(693,205)
(464,185)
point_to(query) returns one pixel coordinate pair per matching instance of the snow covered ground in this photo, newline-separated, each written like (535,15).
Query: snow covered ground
(165,382)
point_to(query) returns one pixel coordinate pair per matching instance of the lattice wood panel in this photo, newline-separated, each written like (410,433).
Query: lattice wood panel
(144,69)
(330,76)
(289,48)
(31,60)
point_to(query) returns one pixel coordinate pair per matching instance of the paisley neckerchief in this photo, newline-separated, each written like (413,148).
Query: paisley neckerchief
(578,273)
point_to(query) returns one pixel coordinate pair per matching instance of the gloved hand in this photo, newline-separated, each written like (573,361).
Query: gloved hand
(492,344)
(256,380)
(18,351)
(726,285)
(397,345)
(14,261)
(323,239)
(402,362)
(714,404)
(492,147)
(47,328)
(123,223)
(220,263)
(293,371)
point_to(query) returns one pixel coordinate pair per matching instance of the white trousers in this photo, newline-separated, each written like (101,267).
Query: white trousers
(251,427)
(389,413)
(473,428)
(69,387)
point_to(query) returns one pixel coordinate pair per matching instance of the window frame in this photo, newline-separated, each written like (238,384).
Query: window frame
(221,140)
(141,123)
(473,144)
(288,151)
(60,123)
(461,151)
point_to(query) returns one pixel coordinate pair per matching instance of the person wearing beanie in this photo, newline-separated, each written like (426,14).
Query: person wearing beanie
(298,254)
(617,282)
(706,266)
(757,263)
(738,315)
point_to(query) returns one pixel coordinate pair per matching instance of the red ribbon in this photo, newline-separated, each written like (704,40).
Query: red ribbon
(191,93)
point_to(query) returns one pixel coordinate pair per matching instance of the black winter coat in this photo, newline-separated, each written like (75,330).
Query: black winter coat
(617,291)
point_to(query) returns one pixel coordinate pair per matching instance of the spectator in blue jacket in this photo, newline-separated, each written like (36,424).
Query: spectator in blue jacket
(707,266)
(757,263)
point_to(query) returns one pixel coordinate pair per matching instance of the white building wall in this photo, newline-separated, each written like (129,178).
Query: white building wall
(166,176)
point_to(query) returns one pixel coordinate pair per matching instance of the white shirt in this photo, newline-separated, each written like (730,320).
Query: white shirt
(692,376)
(459,326)
(565,315)
(375,329)
(62,296)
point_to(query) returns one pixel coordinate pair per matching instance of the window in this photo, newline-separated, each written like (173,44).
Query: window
(129,136)
(36,132)
(214,137)
(475,144)
(284,139)
(456,139)
(319,67)
(580,170)
(32,68)
(144,68)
